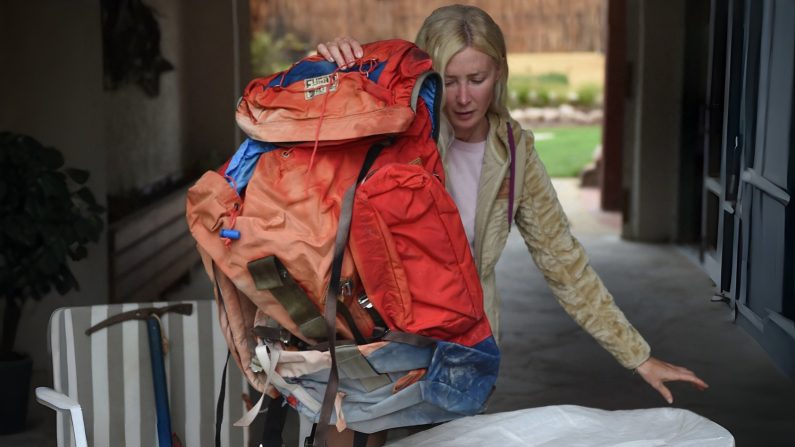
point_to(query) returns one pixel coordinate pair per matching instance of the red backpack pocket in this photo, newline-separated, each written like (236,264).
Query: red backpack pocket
(411,251)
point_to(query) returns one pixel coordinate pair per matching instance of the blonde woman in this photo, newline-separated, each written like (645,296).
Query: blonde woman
(468,48)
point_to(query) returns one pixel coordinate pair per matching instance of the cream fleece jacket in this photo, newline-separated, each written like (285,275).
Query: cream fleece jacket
(542,223)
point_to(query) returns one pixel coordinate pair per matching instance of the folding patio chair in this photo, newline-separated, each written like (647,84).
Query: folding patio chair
(108,375)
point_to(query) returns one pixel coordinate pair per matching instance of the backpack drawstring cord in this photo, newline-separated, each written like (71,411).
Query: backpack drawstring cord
(335,75)
(229,234)
(365,67)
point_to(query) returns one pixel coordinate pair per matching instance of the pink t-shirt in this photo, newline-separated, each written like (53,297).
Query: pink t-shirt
(464,162)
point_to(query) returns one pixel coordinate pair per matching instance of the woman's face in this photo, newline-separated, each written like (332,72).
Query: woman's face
(469,80)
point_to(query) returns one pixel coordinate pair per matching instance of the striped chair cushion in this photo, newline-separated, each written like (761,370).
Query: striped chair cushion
(110,375)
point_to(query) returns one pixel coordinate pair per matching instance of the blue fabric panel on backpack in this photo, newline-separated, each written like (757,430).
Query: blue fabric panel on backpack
(307,70)
(304,70)
(428,94)
(460,377)
(376,73)
(396,357)
(242,164)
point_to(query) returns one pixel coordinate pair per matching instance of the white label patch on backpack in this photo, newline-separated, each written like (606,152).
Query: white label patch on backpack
(320,85)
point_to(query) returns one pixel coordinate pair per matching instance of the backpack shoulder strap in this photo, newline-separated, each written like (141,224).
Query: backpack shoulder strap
(343,230)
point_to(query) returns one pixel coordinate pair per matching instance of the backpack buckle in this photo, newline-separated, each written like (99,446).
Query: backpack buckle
(346,288)
(380,328)
(365,302)
(273,334)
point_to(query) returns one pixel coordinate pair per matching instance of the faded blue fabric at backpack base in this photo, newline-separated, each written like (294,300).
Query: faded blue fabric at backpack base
(458,379)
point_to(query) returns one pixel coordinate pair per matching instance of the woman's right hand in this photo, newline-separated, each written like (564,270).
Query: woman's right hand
(342,50)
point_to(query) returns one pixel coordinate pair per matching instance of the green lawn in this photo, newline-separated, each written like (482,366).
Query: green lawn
(566,150)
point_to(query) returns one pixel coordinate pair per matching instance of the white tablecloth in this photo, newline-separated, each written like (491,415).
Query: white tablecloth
(574,426)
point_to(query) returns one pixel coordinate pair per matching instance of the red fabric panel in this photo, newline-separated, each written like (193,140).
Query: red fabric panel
(355,108)
(412,254)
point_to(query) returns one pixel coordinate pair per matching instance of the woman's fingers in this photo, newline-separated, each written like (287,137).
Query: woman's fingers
(337,56)
(331,52)
(347,53)
(343,51)
(356,47)
(656,373)
(685,375)
(690,376)
(664,391)
(322,49)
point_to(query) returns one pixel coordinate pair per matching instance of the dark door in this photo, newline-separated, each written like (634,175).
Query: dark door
(714,111)
(764,244)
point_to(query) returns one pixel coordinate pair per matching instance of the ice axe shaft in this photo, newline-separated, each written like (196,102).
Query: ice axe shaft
(155,336)
(159,382)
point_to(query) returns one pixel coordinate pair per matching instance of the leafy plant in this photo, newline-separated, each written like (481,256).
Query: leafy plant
(47,217)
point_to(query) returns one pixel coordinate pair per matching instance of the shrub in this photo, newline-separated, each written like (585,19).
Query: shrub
(547,89)
(550,90)
(589,95)
(541,98)
(523,97)
(553,78)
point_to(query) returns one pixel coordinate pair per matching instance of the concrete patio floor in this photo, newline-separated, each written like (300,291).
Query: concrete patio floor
(548,360)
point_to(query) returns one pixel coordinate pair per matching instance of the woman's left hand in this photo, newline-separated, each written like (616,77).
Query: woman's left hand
(656,372)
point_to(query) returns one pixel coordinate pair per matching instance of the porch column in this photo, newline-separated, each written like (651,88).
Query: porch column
(653,119)
(615,90)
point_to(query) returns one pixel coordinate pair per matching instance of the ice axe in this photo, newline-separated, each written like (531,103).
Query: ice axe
(157,348)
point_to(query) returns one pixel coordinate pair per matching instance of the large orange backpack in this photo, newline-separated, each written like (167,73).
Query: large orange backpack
(340,264)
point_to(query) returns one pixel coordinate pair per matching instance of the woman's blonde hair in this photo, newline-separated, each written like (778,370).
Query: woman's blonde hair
(450,29)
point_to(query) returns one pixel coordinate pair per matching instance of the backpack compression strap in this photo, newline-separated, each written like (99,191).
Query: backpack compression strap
(270,274)
(343,230)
